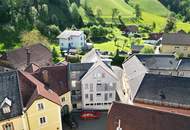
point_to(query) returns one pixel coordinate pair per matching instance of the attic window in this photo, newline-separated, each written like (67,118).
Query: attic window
(6,106)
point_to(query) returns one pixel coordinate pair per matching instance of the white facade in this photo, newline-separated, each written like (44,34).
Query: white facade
(72,39)
(98,87)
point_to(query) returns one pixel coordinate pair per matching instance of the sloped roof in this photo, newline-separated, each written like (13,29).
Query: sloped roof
(39,55)
(39,90)
(176,39)
(91,57)
(104,66)
(184,64)
(137,48)
(79,66)
(158,61)
(132,28)
(9,88)
(141,118)
(32,68)
(68,33)
(164,90)
(57,78)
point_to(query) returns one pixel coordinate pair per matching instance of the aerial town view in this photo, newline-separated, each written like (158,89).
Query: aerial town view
(94,64)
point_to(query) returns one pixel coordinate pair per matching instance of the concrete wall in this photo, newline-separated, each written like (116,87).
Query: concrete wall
(51,111)
(99,101)
(75,41)
(19,123)
(170,49)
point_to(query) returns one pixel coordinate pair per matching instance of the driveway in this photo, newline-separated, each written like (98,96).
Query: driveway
(96,124)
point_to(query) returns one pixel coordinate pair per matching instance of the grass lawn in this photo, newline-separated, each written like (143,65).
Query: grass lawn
(110,45)
(152,11)
(151,6)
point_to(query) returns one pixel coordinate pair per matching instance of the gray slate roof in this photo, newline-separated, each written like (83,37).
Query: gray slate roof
(9,88)
(153,61)
(80,66)
(176,39)
(68,33)
(162,88)
(184,64)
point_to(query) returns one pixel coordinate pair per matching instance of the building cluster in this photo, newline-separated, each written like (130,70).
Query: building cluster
(155,94)
(149,92)
(36,94)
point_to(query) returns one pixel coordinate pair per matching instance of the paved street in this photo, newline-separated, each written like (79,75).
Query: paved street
(96,124)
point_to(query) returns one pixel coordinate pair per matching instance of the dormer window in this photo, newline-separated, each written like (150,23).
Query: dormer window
(6,106)
(6,109)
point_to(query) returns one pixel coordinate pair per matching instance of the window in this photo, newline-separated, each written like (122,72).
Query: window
(87,104)
(91,87)
(176,47)
(63,99)
(110,95)
(103,75)
(6,109)
(86,96)
(73,83)
(185,48)
(106,97)
(91,97)
(86,86)
(8,126)
(106,87)
(98,104)
(73,75)
(40,106)
(97,75)
(98,94)
(43,120)
(74,105)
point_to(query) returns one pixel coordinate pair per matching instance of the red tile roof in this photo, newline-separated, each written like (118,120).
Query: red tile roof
(57,78)
(142,118)
(164,108)
(31,89)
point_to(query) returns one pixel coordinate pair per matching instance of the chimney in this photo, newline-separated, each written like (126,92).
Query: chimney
(28,56)
(119,125)
(45,76)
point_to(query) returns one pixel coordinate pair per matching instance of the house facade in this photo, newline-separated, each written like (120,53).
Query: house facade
(75,72)
(98,87)
(26,104)
(70,39)
(176,43)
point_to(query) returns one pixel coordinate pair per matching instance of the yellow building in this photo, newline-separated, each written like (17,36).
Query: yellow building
(43,108)
(176,43)
(34,101)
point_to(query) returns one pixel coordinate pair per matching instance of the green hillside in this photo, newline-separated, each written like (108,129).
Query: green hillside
(151,6)
(152,11)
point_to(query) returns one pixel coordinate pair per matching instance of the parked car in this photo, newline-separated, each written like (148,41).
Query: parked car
(85,115)
(70,121)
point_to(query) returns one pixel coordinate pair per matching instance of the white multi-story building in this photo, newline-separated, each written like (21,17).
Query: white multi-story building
(98,87)
(72,39)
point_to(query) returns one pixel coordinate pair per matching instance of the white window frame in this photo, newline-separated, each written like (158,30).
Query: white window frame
(39,109)
(43,122)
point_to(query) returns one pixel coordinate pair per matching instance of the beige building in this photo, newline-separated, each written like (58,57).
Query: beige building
(176,43)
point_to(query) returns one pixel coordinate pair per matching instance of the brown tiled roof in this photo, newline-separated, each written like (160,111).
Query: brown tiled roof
(32,89)
(164,108)
(142,118)
(57,78)
(176,39)
(32,68)
(39,54)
